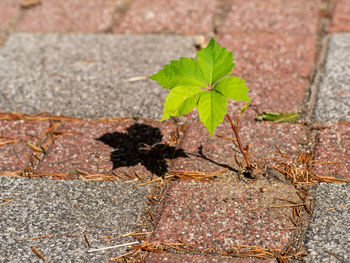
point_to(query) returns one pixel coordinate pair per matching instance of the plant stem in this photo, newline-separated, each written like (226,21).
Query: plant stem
(244,150)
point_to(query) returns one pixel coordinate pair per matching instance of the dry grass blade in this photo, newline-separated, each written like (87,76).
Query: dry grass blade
(196,176)
(39,237)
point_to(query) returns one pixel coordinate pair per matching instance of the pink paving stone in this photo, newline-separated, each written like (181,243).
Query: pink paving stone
(272,54)
(278,16)
(221,214)
(276,94)
(180,258)
(8,9)
(97,147)
(334,146)
(341,17)
(67,16)
(175,16)
(208,154)
(15,156)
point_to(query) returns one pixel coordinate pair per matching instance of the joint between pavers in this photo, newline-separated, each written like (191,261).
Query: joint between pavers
(317,79)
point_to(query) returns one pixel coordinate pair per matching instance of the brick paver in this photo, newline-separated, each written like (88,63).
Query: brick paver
(8,9)
(15,155)
(180,258)
(67,16)
(175,16)
(277,16)
(341,17)
(97,147)
(334,146)
(274,54)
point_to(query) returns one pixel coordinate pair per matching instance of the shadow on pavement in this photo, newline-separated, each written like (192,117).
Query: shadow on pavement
(141,144)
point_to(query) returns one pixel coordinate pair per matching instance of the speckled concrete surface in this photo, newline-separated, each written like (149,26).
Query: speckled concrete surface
(68,210)
(328,238)
(333,96)
(87,76)
(15,154)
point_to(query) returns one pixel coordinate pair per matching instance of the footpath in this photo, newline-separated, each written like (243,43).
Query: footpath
(89,174)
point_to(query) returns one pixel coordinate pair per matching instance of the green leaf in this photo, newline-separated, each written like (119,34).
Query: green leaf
(182,72)
(215,62)
(181,100)
(278,117)
(233,88)
(212,107)
(244,108)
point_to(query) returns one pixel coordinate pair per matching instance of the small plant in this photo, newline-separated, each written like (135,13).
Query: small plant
(205,84)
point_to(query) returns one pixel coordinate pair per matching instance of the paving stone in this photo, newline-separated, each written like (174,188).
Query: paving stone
(67,16)
(277,16)
(8,9)
(66,210)
(219,215)
(211,154)
(88,76)
(340,19)
(175,16)
(273,54)
(334,146)
(328,237)
(333,96)
(180,258)
(15,156)
(229,211)
(276,94)
(125,146)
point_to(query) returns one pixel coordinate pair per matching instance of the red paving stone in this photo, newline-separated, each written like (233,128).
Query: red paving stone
(273,54)
(276,94)
(97,147)
(221,214)
(278,16)
(67,16)
(176,16)
(263,138)
(180,258)
(16,156)
(334,146)
(8,9)
(341,17)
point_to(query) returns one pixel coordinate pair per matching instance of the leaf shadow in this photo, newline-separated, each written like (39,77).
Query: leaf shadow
(141,144)
(200,154)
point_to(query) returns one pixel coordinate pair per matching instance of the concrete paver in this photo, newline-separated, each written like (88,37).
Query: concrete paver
(175,16)
(67,210)
(67,16)
(328,238)
(333,97)
(14,152)
(88,76)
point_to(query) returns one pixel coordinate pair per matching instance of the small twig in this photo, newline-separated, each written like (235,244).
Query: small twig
(38,254)
(332,208)
(87,240)
(33,238)
(121,245)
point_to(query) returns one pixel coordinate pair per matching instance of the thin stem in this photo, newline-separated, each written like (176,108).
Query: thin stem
(245,150)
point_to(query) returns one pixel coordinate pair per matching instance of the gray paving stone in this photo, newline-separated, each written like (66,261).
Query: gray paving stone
(68,209)
(333,98)
(328,238)
(86,75)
